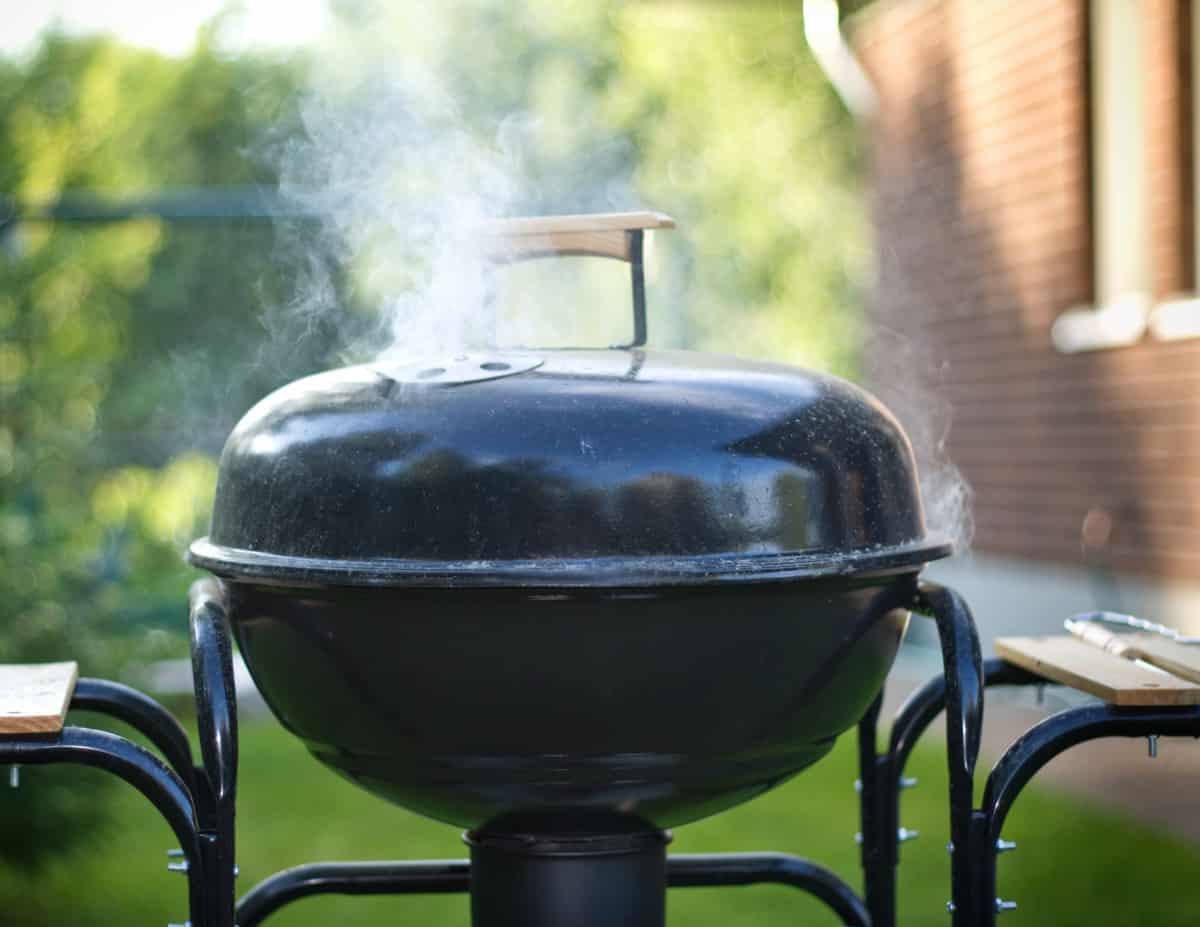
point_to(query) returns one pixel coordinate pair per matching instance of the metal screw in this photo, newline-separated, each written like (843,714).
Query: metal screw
(858,785)
(1002,906)
(950,909)
(858,838)
(181,866)
(950,848)
(14,776)
(175,853)
(1003,846)
(903,835)
(1152,742)
(907,783)
(237,870)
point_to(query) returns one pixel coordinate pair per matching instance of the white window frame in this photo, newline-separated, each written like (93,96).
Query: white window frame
(1179,317)
(1120,218)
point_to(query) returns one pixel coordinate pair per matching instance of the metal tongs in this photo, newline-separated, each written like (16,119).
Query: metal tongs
(1147,653)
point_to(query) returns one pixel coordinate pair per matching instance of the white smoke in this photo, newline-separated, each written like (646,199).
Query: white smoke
(910,386)
(405,162)
(405,168)
(404,190)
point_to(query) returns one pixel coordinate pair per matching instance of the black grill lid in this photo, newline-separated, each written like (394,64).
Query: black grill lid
(610,467)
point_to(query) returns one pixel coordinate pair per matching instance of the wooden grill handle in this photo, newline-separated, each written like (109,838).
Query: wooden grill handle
(606,234)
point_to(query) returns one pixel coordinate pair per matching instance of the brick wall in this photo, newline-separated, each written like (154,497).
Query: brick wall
(982,203)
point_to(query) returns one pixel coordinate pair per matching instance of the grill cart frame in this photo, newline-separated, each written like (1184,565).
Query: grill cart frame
(198,799)
(975,881)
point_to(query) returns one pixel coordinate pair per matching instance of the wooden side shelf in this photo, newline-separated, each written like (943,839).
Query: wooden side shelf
(1116,679)
(34,696)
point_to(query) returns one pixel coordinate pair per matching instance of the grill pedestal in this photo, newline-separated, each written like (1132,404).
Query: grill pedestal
(526,880)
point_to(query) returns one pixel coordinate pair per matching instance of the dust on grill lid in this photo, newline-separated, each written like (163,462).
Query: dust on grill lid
(566,468)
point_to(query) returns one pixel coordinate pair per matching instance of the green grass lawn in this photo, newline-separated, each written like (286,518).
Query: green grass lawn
(1075,864)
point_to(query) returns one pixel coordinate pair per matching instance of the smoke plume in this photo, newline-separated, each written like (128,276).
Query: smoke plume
(404,159)
(405,167)
(904,379)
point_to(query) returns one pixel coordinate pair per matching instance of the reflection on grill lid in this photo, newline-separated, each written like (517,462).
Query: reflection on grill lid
(568,467)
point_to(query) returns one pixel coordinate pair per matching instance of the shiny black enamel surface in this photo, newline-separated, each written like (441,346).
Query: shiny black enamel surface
(662,705)
(596,467)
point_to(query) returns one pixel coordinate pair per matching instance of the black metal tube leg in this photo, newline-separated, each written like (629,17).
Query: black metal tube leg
(146,773)
(877,855)
(638,272)
(1037,747)
(216,714)
(454,875)
(964,728)
(144,715)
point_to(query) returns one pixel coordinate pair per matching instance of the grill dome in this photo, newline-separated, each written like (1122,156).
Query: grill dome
(576,467)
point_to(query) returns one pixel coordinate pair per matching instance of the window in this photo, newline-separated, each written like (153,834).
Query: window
(1179,317)
(1121,240)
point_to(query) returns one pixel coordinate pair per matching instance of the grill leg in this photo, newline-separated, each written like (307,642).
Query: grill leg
(216,715)
(963,663)
(878,853)
(881,777)
(145,772)
(1040,744)
(450,876)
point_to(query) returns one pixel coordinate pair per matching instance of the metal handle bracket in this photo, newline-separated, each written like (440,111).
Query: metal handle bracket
(619,235)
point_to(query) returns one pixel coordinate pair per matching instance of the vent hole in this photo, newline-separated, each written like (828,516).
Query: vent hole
(495,365)
(430,372)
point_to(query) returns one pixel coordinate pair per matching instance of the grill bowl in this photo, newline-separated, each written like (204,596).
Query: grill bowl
(662,704)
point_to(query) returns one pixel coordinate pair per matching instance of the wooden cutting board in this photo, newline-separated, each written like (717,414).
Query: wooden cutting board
(1081,665)
(34,697)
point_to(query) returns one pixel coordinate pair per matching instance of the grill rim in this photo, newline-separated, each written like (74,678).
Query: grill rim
(611,571)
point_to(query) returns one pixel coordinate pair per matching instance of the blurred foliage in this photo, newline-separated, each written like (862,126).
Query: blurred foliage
(127,351)
(713,112)
(746,143)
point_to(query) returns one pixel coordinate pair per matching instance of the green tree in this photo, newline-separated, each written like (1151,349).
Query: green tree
(127,351)
(123,360)
(716,113)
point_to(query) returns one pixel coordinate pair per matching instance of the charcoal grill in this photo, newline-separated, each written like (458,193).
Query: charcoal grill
(567,599)
(568,851)
(564,599)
